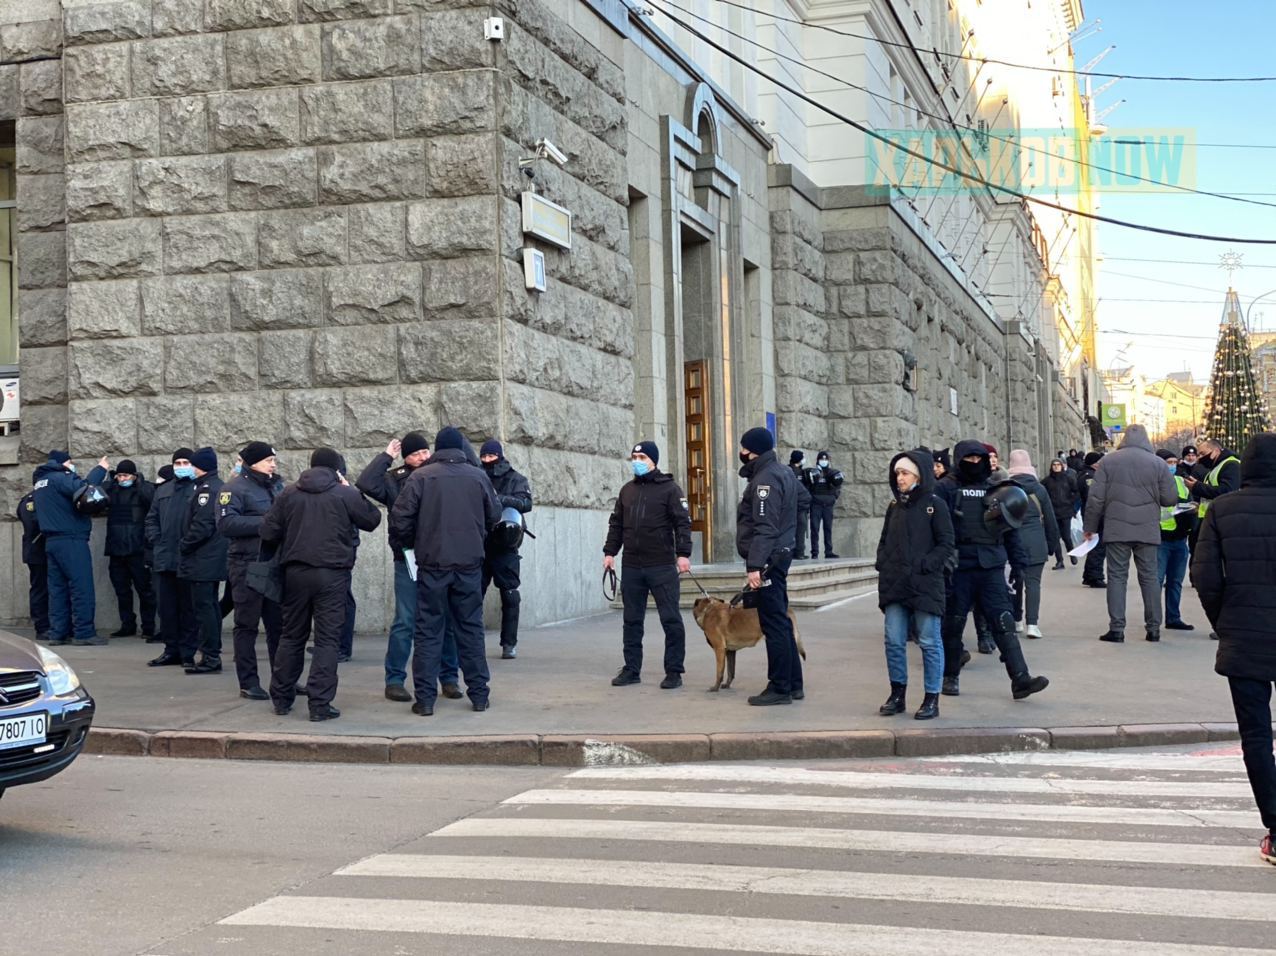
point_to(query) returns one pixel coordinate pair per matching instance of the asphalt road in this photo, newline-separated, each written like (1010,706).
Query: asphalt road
(1051,852)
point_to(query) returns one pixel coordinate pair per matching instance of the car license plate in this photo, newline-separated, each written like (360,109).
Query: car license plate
(23,731)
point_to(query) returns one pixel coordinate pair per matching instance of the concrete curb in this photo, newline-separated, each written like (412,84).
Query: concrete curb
(580,750)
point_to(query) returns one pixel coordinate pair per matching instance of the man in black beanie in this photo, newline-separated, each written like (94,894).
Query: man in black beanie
(241,506)
(165,522)
(203,561)
(502,564)
(447,508)
(797,464)
(131,496)
(313,524)
(766,524)
(652,524)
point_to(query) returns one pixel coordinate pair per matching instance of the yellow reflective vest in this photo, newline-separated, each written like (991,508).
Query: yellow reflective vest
(1212,480)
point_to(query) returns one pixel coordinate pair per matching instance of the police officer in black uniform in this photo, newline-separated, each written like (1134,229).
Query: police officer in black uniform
(1092,571)
(797,463)
(131,496)
(766,524)
(164,525)
(447,508)
(825,484)
(652,524)
(203,561)
(241,506)
(313,524)
(501,564)
(34,558)
(982,549)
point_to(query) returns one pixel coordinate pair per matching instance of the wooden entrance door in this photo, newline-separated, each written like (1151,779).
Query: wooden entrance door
(699,479)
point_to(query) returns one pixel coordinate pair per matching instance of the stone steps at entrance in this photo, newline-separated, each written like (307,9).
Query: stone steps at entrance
(812,584)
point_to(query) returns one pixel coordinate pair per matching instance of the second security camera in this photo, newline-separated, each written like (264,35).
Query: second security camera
(551,152)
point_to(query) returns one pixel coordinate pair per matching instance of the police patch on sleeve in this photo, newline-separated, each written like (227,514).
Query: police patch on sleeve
(764,491)
(224,498)
(31,504)
(203,499)
(685,505)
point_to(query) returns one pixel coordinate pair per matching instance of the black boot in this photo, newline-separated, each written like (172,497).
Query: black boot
(952,687)
(895,702)
(929,709)
(126,630)
(986,644)
(1025,685)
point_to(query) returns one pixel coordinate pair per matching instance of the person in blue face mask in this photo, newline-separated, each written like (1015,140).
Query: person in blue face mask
(1177,523)
(651,523)
(164,525)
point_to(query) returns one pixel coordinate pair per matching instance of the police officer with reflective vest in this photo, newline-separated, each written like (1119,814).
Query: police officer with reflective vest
(1222,474)
(37,563)
(501,564)
(66,533)
(766,525)
(164,526)
(241,505)
(203,561)
(984,519)
(1172,558)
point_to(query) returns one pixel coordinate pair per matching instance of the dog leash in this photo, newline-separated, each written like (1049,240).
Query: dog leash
(698,584)
(610,588)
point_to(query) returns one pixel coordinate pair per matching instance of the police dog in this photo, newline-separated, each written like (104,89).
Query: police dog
(729,629)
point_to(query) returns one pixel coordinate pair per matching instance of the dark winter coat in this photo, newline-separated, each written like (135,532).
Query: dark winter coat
(825,484)
(766,520)
(203,551)
(446,508)
(916,543)
(316,520)
(55,490)
(1064,495)
(1129,491)
(32,538)
(382,483)
(1229,477)
(1234,565)
(166,521)
(1040,529)
(241,506)
(981,549)
(803,493)
(513,490)
(651,523)
(126,518)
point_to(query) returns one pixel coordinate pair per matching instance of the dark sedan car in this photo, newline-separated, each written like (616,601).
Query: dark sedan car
(44,712)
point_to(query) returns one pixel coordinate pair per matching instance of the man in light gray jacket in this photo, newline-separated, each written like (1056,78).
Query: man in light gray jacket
(1130,488)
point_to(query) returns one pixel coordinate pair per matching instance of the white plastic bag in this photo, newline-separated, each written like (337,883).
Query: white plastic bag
(1077,530)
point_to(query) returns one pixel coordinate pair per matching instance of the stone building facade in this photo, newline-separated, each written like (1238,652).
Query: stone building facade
(300,221)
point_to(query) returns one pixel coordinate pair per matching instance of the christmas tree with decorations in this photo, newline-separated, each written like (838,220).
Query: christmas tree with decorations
(1234,411)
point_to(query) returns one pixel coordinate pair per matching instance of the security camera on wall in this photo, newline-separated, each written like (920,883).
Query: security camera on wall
(548,150)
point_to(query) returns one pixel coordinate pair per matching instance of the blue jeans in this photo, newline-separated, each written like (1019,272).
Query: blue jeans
(399,648)
(899,619)
(1171,566)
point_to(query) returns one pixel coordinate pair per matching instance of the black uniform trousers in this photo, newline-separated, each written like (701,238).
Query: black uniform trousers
(38,597)
(821,514)
(312,597)
(503,569)
(177,624)
(252,611)
(346,646)
(803,521)
(1252,701)
(440,593)
(987,587)
(206,606)
(661,582)
(1095,561)
(783,664)
(128,573)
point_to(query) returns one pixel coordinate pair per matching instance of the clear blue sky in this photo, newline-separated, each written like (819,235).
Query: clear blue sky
(1180,37)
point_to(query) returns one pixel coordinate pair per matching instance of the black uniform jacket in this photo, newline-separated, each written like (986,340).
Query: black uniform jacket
(382,483)
(917,542)
(203,551)
(977,545)
(650,522)
(241,506)
(513,490)
(446,509)
(1234,566)
(766,521)
(126,517)
(165,522)
(32,539)
(316,521)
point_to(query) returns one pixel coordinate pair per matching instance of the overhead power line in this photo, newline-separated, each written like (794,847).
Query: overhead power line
(1008,63)
(1177,262)
(949,121)
(969,177)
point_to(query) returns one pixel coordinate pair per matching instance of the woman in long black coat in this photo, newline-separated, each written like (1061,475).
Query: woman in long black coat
(1234,573)
(1061,485)
(917,543)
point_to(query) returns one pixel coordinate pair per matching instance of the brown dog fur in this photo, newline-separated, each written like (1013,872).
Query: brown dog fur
(729,629)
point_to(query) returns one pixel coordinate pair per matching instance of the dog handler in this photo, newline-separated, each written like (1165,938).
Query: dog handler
(766,524)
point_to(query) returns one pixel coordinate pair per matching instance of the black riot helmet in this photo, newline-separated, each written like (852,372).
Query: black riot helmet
(507,535)
(1005,507)
(91,500)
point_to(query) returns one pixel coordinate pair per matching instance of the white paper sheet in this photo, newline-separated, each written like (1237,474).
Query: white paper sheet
(409,557)
(1084,548)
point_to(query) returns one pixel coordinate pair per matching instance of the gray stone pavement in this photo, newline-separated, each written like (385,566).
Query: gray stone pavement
(560,682)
